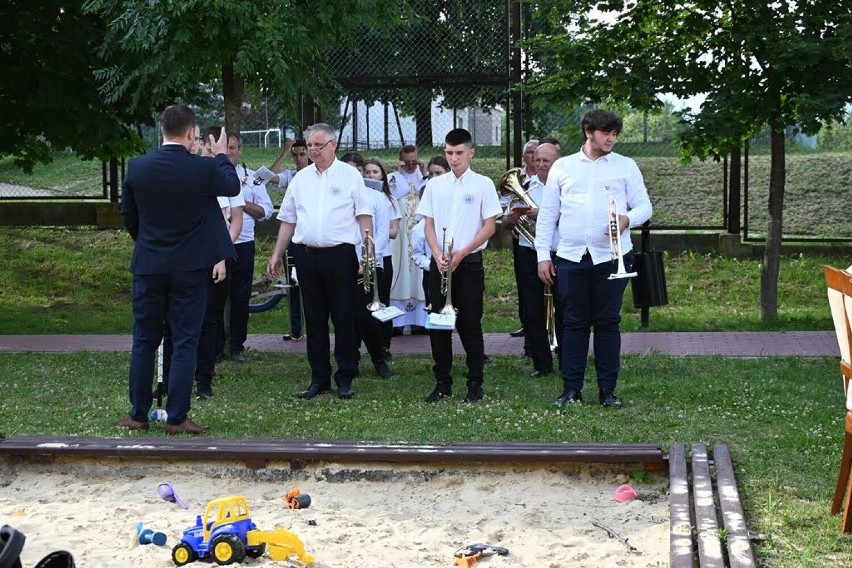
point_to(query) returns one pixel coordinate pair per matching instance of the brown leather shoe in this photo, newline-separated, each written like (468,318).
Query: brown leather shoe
(185,427)
(131,424)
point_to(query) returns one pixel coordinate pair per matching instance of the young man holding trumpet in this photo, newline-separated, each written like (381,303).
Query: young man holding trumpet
(460,208)
(588,194)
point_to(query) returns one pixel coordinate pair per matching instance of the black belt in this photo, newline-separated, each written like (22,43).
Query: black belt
(323,250)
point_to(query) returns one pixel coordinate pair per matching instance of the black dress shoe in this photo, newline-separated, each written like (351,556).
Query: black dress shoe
(440,393)
(539,374)
(383,370)
(345,392)
(569,397)
(607,398)
(474,394)
(311,391)
(518,333)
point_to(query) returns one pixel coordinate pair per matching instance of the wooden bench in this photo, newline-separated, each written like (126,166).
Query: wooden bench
(708,527)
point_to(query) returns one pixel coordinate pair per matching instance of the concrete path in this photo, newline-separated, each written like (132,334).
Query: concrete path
(728,344)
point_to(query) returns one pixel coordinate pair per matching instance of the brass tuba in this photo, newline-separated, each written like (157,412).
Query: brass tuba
(511,185)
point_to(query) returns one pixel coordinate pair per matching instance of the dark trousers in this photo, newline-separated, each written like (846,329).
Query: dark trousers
(179,298)
(532,294)
(208,345)
(326,277)
(385,282)
(519,285)
(589,299)
(468,286)
(294,296)
(240,279)
(369,328)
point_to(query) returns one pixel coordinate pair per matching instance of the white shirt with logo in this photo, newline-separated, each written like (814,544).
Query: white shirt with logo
(323,205)
(460,205)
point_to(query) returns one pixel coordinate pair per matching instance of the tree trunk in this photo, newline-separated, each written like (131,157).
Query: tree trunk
(233,87)
(772,254)
(423,119)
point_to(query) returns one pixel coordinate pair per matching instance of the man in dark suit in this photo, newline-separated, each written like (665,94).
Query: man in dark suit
(169,208)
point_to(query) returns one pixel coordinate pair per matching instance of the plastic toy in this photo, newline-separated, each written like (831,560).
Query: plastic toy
(167,493)
(226,535)
(624,493)
(144,535)
(471,554)
(295,499)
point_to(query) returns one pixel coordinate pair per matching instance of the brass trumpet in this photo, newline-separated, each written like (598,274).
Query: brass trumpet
(550,318)
(368,262)
(447,278)
(511,185)
(615,242)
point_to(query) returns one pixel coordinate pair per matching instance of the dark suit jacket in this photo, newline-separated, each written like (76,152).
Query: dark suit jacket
(169,207)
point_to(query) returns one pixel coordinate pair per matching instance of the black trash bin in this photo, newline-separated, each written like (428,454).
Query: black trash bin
(649,285)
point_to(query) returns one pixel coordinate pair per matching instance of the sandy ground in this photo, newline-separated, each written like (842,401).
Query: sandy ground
(361,515)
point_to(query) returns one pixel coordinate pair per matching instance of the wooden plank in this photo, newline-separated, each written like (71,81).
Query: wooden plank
(267,449)
(706,525)
(738,543)
(682,551)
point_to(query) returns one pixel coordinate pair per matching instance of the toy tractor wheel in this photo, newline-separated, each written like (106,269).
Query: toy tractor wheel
(183,554)
(228,549)
(256,552)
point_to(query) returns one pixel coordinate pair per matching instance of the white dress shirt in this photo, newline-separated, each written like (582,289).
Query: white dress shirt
(420,251)
(323,205)
(461,205)
(256,194)
(577,197)
(394,213)
(381,225)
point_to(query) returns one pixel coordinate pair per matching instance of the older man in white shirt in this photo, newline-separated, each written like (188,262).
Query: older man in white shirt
(579,190)
(323,211)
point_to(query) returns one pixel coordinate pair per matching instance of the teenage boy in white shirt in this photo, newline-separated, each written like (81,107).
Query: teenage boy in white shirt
(460,207)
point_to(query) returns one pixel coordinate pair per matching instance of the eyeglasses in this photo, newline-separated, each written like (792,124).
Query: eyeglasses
(317,148)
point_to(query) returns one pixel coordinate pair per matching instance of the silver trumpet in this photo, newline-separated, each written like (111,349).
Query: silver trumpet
(368,262)
(615,242)
(447,278)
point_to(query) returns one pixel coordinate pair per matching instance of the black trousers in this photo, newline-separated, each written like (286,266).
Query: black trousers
(240,279)
(532,294)
(326,277)
(468,286)
(385,283)
(369,328)
(208,344)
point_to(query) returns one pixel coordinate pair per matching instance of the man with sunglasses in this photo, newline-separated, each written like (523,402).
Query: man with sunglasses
(407,292)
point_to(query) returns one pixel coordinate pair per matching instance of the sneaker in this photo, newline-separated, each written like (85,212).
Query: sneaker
(441,392)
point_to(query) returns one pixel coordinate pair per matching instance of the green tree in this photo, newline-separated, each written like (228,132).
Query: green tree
(164,47)
(757,63)
(49,98)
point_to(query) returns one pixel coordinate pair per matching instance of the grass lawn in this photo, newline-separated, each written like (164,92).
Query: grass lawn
(61,280)
(782,419)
